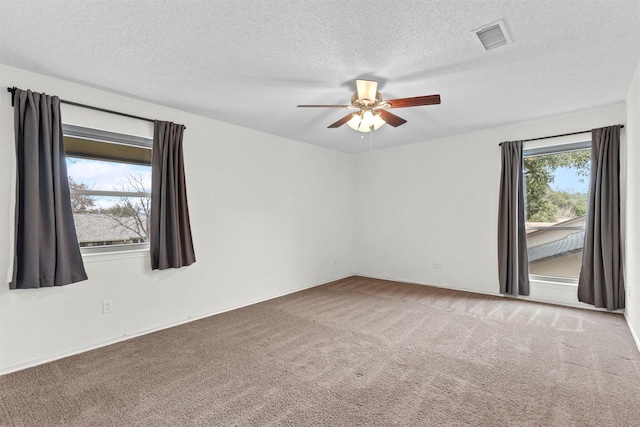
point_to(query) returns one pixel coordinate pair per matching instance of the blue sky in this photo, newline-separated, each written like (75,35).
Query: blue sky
(567,180)
(100,175)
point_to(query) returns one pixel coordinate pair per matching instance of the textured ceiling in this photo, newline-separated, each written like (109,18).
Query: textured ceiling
(251,62)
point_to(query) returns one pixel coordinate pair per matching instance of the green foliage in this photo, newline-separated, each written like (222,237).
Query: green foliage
(543,203)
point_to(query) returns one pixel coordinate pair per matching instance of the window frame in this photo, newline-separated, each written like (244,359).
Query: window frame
(547,150)
(100,135)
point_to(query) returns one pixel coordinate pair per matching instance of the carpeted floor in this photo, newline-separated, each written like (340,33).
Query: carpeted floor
(354,352)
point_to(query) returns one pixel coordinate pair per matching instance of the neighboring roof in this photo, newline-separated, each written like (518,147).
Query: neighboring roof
(94,227)
(566,223)
(572,243)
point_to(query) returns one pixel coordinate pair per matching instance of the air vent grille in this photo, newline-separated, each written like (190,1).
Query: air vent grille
(493,35)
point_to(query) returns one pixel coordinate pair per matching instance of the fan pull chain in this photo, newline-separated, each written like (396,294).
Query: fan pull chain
(371,140)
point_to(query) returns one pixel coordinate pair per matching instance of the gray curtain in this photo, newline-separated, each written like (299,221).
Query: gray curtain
(513,263)
(601,281)
(170,236)
(46,245)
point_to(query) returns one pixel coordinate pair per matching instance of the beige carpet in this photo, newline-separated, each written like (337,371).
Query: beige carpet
(354,352)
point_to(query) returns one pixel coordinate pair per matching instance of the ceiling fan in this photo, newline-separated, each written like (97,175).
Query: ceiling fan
(372,110)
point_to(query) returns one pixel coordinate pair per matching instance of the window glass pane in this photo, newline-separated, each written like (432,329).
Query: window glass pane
(556,204)
(108,220)
(102,220)
(103,175)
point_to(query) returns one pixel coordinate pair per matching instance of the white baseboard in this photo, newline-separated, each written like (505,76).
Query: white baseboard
(634,334)
(543,292)
(125,337)
(435,285)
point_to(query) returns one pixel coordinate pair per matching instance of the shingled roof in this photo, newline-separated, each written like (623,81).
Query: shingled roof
(570,244)
(95,227)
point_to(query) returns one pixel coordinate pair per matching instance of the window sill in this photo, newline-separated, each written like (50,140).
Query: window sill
(551,282)
(115,255)
(546,289)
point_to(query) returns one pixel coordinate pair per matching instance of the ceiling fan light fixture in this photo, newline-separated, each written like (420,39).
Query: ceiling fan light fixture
(365,121)
(367,118)
(354,122)
(358,122)
(377,120)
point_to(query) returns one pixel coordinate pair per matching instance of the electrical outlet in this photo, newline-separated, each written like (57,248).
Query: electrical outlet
(107,306)
(435,265)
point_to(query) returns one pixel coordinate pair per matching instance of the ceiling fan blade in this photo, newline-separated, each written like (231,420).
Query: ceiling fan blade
(392,119)
(325,106)
(413,102)
(367,89)
(342,121)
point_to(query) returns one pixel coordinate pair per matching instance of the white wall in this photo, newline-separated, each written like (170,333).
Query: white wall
(437,201)
(632,208)
(269,216)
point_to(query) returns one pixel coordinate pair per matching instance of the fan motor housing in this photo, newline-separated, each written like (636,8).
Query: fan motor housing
(359,103)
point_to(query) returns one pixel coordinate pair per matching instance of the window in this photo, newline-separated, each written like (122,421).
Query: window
(556,192)
(110,183)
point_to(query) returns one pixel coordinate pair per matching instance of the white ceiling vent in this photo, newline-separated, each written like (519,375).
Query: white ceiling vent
(492,35)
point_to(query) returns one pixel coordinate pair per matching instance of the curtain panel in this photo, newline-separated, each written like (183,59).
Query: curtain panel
(171,244)
(46,250)
(513,262)
(601,281)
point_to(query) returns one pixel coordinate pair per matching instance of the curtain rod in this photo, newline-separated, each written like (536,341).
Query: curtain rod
(558,136)
(90,107)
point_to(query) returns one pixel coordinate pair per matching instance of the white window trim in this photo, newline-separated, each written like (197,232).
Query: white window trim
(108,193)
(551,149)
(553,279)
(127,253)
(105,136)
